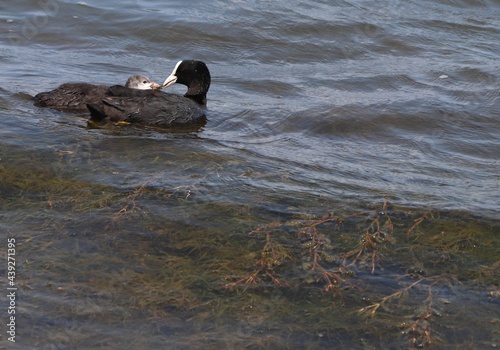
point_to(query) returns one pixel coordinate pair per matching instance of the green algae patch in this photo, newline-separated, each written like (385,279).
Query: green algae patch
(26,181)
(201,274)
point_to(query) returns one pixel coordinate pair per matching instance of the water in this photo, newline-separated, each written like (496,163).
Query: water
(314,107)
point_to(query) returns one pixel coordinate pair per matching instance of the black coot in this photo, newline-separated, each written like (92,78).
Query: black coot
(150,107)
(75,96)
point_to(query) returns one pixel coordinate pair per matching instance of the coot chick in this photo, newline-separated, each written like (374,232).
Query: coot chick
(75,96)
(156,108)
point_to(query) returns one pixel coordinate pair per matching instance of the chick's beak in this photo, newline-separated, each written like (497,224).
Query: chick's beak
(155,86)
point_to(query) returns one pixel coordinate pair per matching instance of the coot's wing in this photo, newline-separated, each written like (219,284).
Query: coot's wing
(168,110)
(119,102)
(147,107)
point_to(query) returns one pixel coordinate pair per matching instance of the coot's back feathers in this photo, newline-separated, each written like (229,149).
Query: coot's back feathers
(153,108)
(150,107)
(75,96)
(71,96)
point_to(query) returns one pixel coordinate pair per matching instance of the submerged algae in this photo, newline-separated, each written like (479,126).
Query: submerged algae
(201,274)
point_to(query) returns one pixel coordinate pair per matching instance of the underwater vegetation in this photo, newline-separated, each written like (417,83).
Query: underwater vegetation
(204,274)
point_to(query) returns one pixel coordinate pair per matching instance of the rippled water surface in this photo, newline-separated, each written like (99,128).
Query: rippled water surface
(317,109)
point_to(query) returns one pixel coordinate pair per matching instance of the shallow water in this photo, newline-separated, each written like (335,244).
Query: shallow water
(315,108)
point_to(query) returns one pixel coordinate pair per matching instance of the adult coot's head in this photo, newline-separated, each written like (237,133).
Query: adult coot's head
(141,82)
(193,74)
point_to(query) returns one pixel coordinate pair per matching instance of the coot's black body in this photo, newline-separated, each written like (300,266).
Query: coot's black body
(157,108)
(71,96)
(75,96)
(154,108)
